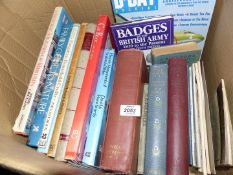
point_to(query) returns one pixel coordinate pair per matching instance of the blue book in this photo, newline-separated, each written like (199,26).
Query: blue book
(144,35)
(191,18)
(56,98)
(99,109)
(156,130)
(189,75)
(51,79)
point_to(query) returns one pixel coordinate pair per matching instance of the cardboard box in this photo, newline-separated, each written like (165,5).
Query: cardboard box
(22,28)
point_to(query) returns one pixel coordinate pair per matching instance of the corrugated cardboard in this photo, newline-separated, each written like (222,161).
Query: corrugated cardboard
(23,24)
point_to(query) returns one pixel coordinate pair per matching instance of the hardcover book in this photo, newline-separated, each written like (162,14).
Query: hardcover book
(75,91)
(48,90)
(142,141)
(99,109)
(189,51)
(191,18)
(67,90)
(120,147)
(75,146)
(156,130)
(177,120)
(143,35)
(58,90)
(28,109)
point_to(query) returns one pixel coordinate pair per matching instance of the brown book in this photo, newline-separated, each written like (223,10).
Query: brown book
(177,121)
(120,148)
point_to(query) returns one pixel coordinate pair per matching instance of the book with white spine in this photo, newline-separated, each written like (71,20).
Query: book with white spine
(25,118)
(73,100)
(52,113)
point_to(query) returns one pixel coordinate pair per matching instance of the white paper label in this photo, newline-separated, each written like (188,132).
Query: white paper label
(130,110)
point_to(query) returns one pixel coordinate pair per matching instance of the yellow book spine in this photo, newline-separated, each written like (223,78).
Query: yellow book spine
(65,97)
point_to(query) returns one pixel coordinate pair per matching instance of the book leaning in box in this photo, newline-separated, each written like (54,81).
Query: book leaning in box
(26,115)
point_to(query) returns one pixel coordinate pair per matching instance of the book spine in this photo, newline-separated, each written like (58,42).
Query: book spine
(196,119)
(99,108)
(75,146)
(142,141)
(177,122)
(120,147)
(45,100)
(189,118)
(75,91)
(26,115)
(52,113)
(193,151)
(66,94)
(156,131)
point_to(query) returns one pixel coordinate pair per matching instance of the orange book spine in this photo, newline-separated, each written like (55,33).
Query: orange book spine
(75,146)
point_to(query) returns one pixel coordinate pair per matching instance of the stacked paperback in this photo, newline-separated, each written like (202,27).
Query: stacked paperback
(125,98)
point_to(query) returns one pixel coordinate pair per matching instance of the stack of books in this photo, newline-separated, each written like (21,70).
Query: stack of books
(125,98)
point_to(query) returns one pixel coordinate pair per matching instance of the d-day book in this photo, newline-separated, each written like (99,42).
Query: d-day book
(191,17)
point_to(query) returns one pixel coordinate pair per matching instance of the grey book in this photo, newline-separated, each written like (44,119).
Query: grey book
(156,129)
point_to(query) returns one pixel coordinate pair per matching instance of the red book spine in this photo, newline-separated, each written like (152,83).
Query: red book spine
(75,146)
(120,147)
(177,124)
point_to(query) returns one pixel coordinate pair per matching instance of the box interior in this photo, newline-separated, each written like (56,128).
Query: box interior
(23,24)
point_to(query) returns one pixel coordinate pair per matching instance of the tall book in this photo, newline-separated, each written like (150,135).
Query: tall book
(120,147)
(26,115)
(67,91)
(59,87)
(208,122)
(99,109)
(215,123)
(196,122)
(48,90)
(156,130)
(142,141)
(177,121)
(205,166)
(225,126)
(75,146)
(75,91)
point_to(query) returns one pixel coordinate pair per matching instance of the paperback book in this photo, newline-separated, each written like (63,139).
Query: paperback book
(143,35)
(59,87)
(27,113)
(191,17)
(48,90)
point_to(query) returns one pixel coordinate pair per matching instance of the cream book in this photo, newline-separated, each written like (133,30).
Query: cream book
(142,140)
(225,126)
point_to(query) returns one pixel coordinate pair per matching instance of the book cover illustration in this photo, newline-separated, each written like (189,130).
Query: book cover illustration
(48,90)
(191,17)
(144,35)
